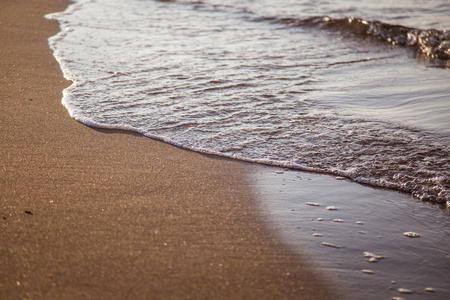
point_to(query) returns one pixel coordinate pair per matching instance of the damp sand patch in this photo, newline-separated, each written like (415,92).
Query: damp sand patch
(377,243)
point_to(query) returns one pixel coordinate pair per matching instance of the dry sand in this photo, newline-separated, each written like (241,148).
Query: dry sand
(95,214)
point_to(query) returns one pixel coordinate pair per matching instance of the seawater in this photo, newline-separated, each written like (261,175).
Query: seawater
(359,89)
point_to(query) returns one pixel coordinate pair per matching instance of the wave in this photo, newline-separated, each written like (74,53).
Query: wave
(374,153)
(430,43)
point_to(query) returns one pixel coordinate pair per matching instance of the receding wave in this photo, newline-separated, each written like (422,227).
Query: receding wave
(247,94)
(430,43)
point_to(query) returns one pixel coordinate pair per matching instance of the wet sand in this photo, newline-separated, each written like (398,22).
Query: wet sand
(360,234)
(95,214)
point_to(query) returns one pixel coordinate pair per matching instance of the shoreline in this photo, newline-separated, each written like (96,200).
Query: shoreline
(97,214)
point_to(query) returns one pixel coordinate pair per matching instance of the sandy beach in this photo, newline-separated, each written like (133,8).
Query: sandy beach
(95,214)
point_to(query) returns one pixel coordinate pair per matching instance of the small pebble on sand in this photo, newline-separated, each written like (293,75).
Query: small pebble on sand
(411,234)
(330,245)
(372,257)
(317,234)
(331,208)
(429,289)
(312,204)
(359,222)
(404,291)
(338,220)
(319,219)
(366,271)
(368,254)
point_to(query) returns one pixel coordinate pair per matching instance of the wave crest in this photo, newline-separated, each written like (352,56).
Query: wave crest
(429,43)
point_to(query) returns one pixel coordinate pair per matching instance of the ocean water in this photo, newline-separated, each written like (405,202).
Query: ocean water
(359,89)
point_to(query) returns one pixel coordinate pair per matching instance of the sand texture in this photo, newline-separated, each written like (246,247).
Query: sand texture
(95,214)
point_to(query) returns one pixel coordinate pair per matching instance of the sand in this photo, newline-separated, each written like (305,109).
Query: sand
(372,220)
(98,214)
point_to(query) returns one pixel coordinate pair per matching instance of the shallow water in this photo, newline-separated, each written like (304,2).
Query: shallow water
(370,220)
(311,85)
